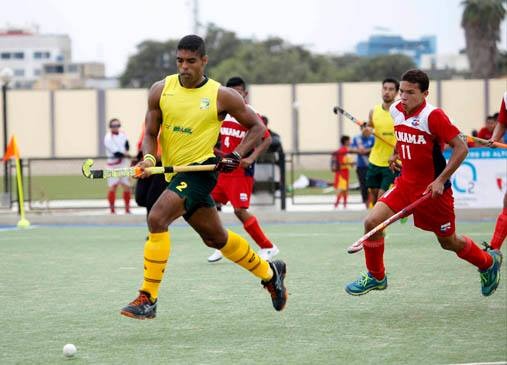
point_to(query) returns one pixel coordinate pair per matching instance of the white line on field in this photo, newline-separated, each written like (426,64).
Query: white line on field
(482,363)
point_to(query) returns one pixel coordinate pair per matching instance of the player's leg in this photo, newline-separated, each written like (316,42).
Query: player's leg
(125,184)
(157,186)
(437,215)
(386,181)
(361,177)
(374,278)
(220,197)
(207,224)
(111,193)
(373,180)
(500,228)
(345,186)
(168,207)
(488,262)
(239,194)
(141,191)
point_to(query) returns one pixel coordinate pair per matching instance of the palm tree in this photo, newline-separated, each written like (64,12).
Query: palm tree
(481,21)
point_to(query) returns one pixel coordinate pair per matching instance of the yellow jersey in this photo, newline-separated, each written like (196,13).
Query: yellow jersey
(383,125)
(190,123)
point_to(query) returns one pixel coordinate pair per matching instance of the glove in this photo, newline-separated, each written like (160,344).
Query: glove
(229,162)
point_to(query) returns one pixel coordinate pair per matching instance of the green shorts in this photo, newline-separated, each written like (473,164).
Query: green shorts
(379,177)
(195,188)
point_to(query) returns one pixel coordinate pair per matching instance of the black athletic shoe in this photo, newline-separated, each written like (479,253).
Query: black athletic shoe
(275,286)
(141,307)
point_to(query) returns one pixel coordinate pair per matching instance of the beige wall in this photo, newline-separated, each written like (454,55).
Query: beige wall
(318,125)
(463,101)
(77,124)
(496,90)
(76,128)
(128,105)
(29,120)
(275,101)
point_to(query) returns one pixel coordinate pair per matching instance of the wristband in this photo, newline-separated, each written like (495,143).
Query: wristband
(237,154)
(151,158)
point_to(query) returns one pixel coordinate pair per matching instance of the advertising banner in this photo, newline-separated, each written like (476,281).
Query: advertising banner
(481,180)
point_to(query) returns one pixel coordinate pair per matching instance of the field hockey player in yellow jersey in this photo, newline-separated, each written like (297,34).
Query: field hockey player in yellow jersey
(187,108)
(378,176)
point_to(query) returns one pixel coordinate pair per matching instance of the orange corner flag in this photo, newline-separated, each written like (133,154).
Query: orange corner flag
(12,149)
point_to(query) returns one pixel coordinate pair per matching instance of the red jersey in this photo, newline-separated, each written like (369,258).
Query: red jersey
(420,140)
(485,133)
(502,114)
(231,135)
(342,159)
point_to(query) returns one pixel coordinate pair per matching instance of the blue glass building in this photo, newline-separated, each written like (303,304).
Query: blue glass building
(392,44)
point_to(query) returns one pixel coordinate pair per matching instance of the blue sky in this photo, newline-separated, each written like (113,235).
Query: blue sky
(109,30)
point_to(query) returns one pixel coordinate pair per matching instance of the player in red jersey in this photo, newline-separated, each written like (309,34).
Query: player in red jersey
(421,131)
(501,222)
(340,165)
(236,187)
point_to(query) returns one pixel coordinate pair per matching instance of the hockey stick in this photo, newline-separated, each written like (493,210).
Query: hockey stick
(487,142)
(136,171)
(405,212)
(342,111)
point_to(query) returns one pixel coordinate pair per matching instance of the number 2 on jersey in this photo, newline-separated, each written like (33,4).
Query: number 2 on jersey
(181,186)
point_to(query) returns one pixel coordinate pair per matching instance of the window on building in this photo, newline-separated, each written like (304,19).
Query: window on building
(53,69)
(19,72)
(37,72)
(72,68)
(18,55)
(5,55)
(41,55)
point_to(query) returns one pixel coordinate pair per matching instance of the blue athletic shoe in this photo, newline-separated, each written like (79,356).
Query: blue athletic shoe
(365,283)
(490,278)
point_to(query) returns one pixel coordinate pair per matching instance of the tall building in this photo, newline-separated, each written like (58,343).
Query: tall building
(392,44)
(43,61)
(26,52)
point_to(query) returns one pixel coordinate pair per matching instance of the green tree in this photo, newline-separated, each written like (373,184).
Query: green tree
(151,63)
(272,61)
(481,21)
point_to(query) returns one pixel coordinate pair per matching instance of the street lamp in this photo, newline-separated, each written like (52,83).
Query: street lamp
(6,76)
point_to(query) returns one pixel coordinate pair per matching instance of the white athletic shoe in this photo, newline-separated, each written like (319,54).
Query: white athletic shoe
(268,253)
(216,256)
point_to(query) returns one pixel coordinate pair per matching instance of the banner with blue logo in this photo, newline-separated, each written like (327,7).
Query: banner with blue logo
(481,180)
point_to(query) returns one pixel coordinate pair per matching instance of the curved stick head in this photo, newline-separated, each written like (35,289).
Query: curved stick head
(86,168)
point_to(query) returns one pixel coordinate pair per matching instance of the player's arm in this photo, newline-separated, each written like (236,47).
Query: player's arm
(259,150)
(229,101)
(370,120)
(498,132)
(501,124)
(459,153)
(152,123)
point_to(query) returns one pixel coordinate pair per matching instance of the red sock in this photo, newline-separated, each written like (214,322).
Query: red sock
(500,230)
(474,255)
(374,255)
(338,198)
(253,228)
(126,199)
(111,196)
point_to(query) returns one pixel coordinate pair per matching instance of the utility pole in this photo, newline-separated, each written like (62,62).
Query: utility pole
(195,11)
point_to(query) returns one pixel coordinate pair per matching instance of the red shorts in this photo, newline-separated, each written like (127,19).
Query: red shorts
(234,189)
(435,215)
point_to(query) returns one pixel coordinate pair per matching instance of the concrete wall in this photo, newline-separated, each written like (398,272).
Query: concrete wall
(72,123)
